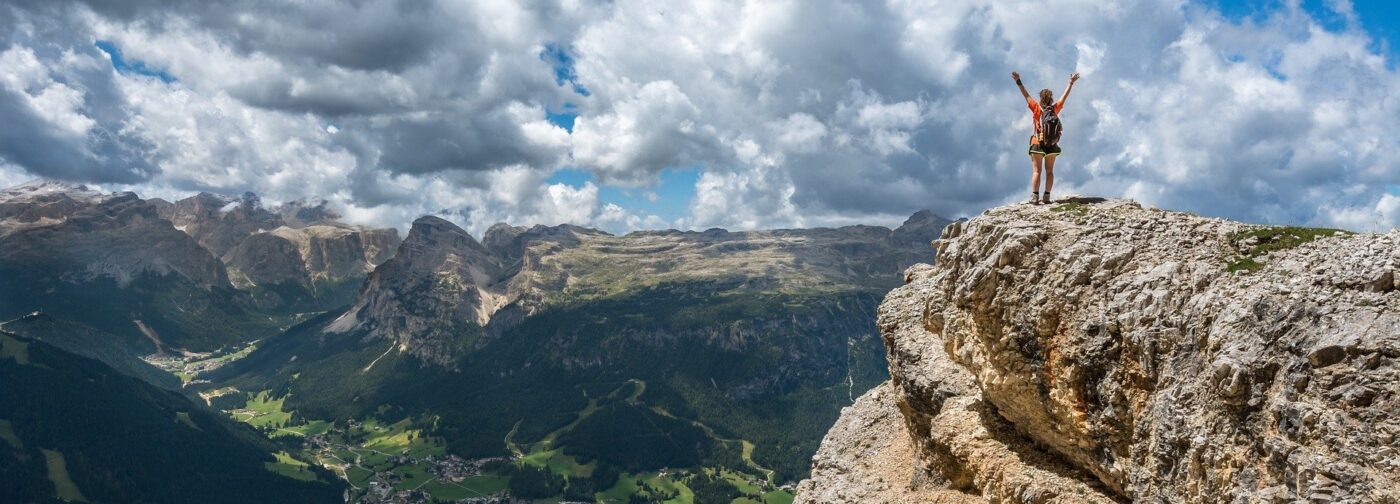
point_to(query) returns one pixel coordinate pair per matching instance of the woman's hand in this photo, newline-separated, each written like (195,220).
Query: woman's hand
(1073,77)
(1015,76)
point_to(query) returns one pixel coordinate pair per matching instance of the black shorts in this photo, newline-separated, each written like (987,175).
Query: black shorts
(1043,150)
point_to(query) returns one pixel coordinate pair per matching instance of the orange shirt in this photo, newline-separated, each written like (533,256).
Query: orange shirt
(1035,113)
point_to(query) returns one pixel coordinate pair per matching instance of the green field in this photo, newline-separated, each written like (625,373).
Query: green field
(11,348)
(740,482)
(667,485)
(476,486)
(312,428)
(290,467)
(58,473)
(559,463)
(7,433)
(183,417)
(358,476)
(411,477)
(653,485)
(400,438)
(263,410)
(778,497)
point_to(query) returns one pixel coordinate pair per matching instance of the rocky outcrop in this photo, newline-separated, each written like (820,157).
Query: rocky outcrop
(80,235)
(438,290)
(219,222)
(1100,351)
(291,257)
(108,260)
(311,268)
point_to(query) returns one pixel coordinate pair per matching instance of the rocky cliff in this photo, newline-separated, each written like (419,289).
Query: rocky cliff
(440,286)
(1098,351)
(293,257)
(220,222)
(310,268)
(110,261)
(87,235)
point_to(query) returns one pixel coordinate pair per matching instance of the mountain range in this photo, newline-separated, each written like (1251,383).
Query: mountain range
(725,353)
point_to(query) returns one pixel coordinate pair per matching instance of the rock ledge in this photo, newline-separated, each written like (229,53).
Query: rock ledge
(1098,351)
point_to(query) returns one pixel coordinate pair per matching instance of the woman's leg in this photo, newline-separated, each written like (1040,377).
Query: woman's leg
(1035,173)
(1049,173)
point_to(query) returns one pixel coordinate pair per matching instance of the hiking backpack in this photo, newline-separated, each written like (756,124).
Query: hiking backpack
(1050,126)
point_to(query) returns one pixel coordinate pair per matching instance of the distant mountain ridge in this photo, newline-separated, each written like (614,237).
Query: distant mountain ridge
(443,280)
(156,274)
(111,262)
(292,257)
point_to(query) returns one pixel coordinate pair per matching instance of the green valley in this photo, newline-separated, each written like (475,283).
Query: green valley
(380,460)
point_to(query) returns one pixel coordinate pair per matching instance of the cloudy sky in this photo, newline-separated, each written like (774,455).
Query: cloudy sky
(742,114)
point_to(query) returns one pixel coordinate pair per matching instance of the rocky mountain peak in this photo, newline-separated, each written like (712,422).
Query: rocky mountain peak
(429,226)
(501,238)
(220,222)
(294,256)
(42,187)
(115,235)
(306,212)
(921,216)
(920,228)
(1098,351)
(431,234)
(439,285)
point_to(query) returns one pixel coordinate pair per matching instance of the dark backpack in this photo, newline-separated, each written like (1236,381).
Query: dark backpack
(1050,126)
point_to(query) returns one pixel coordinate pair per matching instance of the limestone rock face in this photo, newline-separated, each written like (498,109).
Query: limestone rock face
(440,285)
(108,260)
(1101,351)
(220,222)
(319,266)
(264,259)
(291,257)
(79,235)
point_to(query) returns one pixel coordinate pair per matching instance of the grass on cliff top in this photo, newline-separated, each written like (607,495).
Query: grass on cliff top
(1078,209)
(1272,239)
(1245,264)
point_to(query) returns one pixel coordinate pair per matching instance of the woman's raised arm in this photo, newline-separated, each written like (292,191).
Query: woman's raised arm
(1017,77)
(1073,77)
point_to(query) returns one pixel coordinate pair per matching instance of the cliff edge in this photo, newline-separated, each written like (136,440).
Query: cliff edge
(1098,351)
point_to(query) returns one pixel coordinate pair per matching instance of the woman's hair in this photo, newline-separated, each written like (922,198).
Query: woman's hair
(1047,97)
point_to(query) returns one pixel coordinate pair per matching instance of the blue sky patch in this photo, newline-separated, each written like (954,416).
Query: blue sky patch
(1380,18)
(559,58)
(1394,189)
(564,118)
(123,65)
(572,177)
(672,194)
